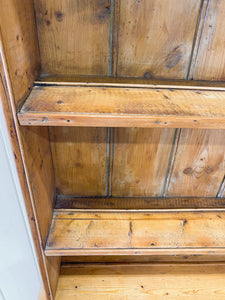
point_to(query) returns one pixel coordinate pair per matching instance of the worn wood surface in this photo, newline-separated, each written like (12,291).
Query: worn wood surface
(133,175)
(74,36)
(149,43)
(149,281)
(126,107)
(18,29)
(199,166)
(80,160)
(89,232)
(66,202)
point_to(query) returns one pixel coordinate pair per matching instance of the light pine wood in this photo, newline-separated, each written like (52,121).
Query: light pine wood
(80,160)
(133,175)
(210,60)
(96,232)
(20,67)
(124,107)
(20,45)
(40,171)
(150,43)
(149,281)
(74,36)
(67,202)
(199,164)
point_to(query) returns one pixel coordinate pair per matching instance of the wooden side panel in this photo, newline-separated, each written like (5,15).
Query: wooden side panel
(41,175)
(200,161)
(199,164)
(19,51)
(79,156)
(143,282)
(74,36)
(18,30)
(141,160)
(154,37)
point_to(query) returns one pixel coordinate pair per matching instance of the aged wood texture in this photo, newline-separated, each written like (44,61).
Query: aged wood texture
(135,233)
(150,43)
(41,175)
(65,202)
(133,175)
(128,259)
(144,282)
(199,164)
(20,59)
(17,25)
(79,156)
(74,36)
(125,107)
(210,59)
(14,140)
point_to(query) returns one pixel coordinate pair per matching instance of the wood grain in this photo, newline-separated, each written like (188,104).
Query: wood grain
(150,43)
(80,159)
(20,44)
(65,202)
(210,60)
(74,36)
(133,175)
(41,174)
(75,232)
(149,281)
(125,107)
(199,164)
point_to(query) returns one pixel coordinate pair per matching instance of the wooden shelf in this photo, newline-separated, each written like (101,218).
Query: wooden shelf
(140,103)
(140,232)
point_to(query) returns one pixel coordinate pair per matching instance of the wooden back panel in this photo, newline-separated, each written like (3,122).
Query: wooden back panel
(145,38)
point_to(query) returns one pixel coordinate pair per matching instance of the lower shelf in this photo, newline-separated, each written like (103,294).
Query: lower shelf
(149,281)
(140,232)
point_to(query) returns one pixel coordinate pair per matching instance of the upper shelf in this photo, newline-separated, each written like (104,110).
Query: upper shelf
(111,102)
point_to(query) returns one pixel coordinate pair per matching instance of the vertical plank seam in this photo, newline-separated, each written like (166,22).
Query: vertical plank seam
(221,190)
(53,165)
(107,162)
(203,14)
(172,160)
(111,38)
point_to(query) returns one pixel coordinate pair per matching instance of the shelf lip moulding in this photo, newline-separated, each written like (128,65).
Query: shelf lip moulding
(140,103)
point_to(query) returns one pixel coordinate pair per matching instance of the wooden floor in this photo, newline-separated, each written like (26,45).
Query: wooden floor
(147,281)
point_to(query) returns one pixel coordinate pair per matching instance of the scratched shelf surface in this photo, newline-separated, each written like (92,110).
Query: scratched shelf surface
(145,232)
(124,104)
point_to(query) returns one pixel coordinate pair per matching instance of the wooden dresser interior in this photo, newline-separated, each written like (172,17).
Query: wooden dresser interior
(116,113)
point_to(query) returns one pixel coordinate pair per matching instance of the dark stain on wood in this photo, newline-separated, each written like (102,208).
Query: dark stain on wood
(59,16)
(174,58)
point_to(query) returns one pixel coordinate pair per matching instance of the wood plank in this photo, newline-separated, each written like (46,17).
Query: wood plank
(74,36)
(157,48)
(210,60)
(67,202)
(80,160)
(18,30)
(140,259)
(149,281)
(124,107)
(134,176)
(199,164)
(114,232)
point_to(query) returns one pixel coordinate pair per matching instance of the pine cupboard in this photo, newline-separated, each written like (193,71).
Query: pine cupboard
(116,115)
